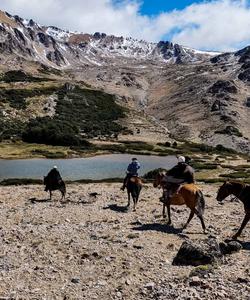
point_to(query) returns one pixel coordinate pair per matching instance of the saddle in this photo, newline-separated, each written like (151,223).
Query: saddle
(135,179)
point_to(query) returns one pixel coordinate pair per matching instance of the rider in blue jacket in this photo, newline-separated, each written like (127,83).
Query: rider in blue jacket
(132,170)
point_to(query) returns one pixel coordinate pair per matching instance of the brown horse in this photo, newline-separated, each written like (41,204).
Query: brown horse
(188,194)
(242,192)
(134,186)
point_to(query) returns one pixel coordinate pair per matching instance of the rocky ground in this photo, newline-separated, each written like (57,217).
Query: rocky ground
(93,248)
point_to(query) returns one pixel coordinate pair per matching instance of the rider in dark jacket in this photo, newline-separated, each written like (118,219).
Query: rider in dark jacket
(180,174)
(53,178)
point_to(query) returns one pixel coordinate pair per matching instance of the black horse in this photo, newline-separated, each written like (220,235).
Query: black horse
(53,181)
(242,192)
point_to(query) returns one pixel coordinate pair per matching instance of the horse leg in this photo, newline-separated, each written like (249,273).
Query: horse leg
(128,199)
(189,219)
(50,195)
(135,202)
(164,211)
(244,223)
(63,195)
(169,215)
(200,216)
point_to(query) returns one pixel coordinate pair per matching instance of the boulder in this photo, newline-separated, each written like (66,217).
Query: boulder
(230,247)
(204,252)
(195,254)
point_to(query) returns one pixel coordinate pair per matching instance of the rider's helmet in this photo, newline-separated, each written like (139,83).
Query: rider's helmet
(181,159)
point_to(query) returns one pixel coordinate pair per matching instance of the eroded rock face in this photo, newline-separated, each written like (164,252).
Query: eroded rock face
(56,57)
(244,55)
(223,86)
(245,76)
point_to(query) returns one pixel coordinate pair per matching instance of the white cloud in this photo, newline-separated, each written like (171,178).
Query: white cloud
(212,25)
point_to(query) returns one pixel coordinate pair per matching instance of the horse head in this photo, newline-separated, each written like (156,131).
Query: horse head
(224,191)
(158,179)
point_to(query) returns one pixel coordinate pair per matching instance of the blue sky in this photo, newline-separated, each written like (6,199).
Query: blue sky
(217,25)
(154,7)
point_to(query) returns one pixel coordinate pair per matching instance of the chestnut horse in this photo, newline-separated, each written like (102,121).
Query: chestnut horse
(242,192)
(188,194)
(134,186)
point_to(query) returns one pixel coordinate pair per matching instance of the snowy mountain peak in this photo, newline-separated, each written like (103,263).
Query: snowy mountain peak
(59,48)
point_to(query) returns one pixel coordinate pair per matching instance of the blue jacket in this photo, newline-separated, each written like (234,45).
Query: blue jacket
(133,168)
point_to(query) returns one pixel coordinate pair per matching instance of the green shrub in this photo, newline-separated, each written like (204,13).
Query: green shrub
(17,181)
(20,76)
(204,166)
(17,97)
(221,148)
(78,112)
(230,130)
(152,174)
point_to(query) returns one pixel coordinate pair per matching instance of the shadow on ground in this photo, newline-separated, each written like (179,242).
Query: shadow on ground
(117,208)
(35,200)
(158,227)
(65,201)
(245,245)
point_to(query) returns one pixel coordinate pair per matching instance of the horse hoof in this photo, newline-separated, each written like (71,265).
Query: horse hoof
(164,216)
(234,237)
(169,223)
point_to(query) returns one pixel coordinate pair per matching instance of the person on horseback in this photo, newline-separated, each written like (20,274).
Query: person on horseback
(132,170)
(53,178)
(180,174)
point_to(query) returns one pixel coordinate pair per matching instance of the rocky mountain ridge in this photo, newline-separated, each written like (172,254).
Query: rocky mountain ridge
(59,48)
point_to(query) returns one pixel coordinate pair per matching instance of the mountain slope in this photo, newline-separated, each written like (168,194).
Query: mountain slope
(174,90)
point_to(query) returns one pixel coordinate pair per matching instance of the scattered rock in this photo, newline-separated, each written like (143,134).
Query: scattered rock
(230,247)
(75,280)
(149,286)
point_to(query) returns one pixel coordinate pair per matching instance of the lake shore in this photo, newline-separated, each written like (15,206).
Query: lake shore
(93,248)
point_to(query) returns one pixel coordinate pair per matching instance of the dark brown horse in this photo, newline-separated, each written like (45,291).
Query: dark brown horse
(134,186)
(52,185)
(242,192)
(188,194)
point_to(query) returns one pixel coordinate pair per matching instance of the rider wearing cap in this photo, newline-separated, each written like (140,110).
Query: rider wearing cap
(132,170)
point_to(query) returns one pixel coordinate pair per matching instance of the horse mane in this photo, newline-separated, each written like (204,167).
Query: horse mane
(237,183)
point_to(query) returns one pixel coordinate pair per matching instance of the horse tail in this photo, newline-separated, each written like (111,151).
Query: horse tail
(135,190)
(200,202)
